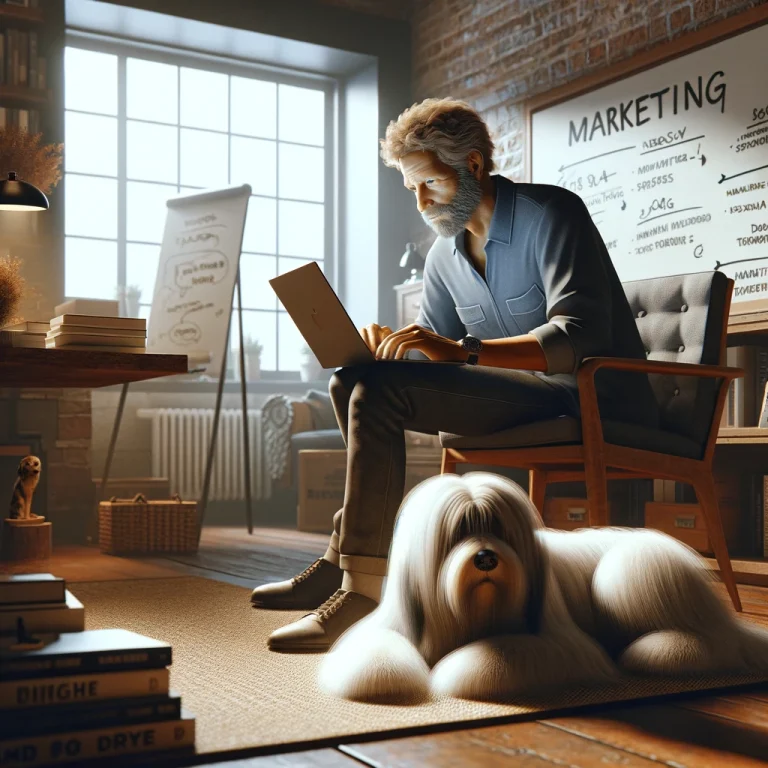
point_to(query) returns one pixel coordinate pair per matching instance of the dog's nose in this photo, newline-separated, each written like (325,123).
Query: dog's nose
(486,560)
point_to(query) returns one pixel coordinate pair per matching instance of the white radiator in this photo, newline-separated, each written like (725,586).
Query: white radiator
(180,441)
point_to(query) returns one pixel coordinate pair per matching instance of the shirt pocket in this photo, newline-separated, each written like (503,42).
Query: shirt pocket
(471,315)
(526,309)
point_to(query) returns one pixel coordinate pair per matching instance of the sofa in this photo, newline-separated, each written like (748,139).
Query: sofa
(290,425)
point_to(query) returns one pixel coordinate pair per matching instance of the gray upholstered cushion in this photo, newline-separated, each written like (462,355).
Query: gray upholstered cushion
(567,431)
(320,439)
(323,415)
(680,319)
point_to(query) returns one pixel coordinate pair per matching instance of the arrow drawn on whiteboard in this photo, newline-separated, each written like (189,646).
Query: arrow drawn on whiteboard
(723,177)
(719,264)
(623,205)
(594,157)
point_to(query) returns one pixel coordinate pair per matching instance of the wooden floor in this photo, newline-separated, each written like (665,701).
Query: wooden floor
(696,731)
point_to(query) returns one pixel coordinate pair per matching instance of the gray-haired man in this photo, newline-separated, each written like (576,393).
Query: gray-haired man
(520,286)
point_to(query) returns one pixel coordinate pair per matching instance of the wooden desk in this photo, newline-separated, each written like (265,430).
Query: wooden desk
(61,368)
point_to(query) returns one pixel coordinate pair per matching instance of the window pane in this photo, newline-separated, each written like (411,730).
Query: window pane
(152,152)
(204,99)
(146,210)
(302,115)
(290,343)
(254,107)
(255,274)
(141,268)
(91,144)
(302,230)
(90,81)
(287,265)
(253,162)
(204,158)
(90,206)
(260,226)
(152,91)
(302,173)
(90,268)
(261,326)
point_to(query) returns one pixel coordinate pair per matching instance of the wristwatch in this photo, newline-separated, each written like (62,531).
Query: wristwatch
(474,346)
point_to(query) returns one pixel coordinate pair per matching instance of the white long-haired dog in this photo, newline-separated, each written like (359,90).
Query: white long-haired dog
(483,602)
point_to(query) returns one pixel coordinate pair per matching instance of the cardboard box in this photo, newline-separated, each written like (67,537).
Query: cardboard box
(322,479)
(565,514)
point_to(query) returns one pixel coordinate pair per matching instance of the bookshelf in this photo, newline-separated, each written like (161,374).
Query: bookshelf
(24,95)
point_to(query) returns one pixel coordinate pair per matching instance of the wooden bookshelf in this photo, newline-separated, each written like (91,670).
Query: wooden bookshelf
(23,97)
(18,15)
(742,436)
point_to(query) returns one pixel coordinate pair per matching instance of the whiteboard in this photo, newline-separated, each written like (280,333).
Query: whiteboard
(196,275)
(672,163)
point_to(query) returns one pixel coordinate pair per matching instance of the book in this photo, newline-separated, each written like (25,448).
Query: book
(30,326)
(96,348)
(68,616)
(105,743)
(22,339)
(74,689)
(59,339)
(102,323)
(103,307)
(96,650)
(25,588)
(94,333)
(90,714)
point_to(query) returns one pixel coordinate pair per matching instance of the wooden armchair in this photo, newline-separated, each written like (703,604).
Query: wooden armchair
(683,322)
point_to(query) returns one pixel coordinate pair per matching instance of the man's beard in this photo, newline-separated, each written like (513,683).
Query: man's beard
(454,216)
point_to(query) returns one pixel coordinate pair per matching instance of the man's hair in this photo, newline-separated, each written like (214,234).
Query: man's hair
(449,128)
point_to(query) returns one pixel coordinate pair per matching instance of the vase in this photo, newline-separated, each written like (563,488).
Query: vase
(309,367)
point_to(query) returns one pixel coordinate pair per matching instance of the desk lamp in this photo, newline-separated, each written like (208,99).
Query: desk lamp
(17,195)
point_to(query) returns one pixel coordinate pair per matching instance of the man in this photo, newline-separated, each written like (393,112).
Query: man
(520,286)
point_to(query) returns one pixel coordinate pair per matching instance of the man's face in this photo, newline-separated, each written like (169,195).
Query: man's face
(446,197)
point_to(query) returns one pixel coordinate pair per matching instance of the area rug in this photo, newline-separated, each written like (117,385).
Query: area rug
(245,696)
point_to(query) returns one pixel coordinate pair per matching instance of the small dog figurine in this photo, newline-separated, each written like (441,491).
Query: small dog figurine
(483,602)
(24,488)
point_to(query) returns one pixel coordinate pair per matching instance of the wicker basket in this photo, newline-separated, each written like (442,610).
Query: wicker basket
(140,526)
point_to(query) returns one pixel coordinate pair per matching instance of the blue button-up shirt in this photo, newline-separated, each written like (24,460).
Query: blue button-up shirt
(548,273)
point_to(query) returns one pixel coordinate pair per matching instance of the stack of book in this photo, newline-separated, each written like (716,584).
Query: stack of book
(29,333)
(41,602)
(98,333)
(67,698)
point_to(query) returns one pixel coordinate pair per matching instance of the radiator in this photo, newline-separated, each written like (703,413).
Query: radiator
(180,441)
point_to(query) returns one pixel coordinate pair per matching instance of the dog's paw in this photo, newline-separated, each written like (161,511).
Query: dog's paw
(465,673)
(669,652)
(375,666)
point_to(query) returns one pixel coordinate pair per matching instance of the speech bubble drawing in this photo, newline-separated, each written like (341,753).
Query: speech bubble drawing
(185,271)
(185,334)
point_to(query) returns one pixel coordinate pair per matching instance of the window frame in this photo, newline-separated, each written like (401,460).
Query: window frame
(237,67)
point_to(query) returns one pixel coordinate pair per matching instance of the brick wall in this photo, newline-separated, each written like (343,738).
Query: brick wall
(495,54)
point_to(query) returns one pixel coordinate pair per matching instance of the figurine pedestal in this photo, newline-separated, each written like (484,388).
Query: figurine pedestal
(26,539)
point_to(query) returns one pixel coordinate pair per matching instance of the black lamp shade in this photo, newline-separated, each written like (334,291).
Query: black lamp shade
(16,195)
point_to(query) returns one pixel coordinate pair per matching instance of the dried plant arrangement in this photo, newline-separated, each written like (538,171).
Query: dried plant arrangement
(11,289)
(32,161)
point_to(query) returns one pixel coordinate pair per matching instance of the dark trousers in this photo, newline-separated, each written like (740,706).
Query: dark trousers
(374,406)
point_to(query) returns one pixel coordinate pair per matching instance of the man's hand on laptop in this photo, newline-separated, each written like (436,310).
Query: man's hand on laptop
(396,345)
(374,334)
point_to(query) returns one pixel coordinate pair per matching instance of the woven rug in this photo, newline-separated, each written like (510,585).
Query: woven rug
(245,696)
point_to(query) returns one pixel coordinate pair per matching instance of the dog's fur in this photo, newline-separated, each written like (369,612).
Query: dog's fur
(559,608)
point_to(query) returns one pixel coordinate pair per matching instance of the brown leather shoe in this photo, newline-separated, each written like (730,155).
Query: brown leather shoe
(313,585)
(317,631)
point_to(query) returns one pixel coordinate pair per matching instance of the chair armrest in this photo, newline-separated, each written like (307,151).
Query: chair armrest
(592,364)
(592,428)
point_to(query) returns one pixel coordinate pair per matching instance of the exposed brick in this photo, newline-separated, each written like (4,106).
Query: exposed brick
(703,10)
(627,42)
(596,54)
(679,19)
(73,427)
(69,407)
(659,28)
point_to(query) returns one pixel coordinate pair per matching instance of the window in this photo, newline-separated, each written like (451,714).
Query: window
(142,126)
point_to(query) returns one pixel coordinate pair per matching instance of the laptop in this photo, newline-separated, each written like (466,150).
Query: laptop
(322,320)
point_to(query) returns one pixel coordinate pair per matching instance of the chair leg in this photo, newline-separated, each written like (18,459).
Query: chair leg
(447,465)
(596,480)
(537,488)
(706,494)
